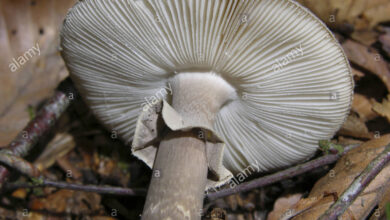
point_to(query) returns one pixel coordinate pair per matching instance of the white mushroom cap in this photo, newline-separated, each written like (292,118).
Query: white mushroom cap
(292,79)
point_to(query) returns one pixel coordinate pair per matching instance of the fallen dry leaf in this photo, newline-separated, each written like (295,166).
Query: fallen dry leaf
(385,41)
(68,201)
(20,193)
(282,204)
(363,107)
(384,108)
(367,38)
(313,207)
(378,14)
(61,144)
(30,64)
(355,127)
(347,141)
(369,59)
(326,191)
(381,210)
(358,14)
(69,168)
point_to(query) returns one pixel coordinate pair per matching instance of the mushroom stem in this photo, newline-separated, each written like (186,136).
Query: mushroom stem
(179,176)
(180,169)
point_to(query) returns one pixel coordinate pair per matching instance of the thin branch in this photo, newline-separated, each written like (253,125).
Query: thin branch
(260,182)
(40,182)
(281,175)
(40,125)
(18,163)
(357,186)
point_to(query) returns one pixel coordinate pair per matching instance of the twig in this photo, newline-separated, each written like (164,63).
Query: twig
(357,186)
(284,174)
(18,163)
(40,182)
(42,123)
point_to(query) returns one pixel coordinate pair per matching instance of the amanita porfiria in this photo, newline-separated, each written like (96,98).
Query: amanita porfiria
(204,89)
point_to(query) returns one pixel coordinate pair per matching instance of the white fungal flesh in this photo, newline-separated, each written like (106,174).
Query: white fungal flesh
(199,96)
(292,78)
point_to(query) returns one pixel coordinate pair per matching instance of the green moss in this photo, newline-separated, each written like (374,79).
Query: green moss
(31,112)
(37,181)
(326,146)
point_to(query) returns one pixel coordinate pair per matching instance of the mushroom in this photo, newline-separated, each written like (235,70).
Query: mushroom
(204,89)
